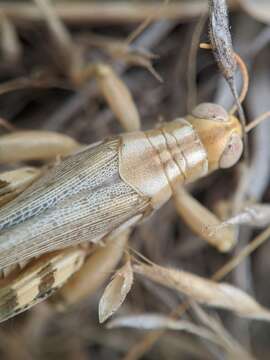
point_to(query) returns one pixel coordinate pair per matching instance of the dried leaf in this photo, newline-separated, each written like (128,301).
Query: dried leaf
(205,291)
(116,292)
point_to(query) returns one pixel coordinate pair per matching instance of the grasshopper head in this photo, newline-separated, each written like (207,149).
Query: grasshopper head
(220,133)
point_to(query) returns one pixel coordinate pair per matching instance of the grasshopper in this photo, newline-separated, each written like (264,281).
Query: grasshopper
(100,190)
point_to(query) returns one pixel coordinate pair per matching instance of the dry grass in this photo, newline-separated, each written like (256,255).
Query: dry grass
(40,91)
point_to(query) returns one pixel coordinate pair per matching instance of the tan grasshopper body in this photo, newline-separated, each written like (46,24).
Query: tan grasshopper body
(104,189)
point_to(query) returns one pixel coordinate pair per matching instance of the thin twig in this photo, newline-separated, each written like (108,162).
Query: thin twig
(257,121)
(139,30)
(246,251)
(108,12)
(192,63)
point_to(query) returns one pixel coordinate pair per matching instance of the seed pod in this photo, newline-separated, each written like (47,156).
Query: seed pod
(34,145)
(118,97)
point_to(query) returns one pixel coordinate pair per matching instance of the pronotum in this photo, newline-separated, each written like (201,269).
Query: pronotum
(102,189)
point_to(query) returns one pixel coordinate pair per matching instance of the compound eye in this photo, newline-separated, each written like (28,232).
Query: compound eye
(211,112)
(232,152)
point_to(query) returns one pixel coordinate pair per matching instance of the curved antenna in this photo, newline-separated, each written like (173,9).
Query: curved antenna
(245,77)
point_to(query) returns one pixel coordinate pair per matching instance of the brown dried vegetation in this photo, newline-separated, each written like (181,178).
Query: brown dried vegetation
(53,70)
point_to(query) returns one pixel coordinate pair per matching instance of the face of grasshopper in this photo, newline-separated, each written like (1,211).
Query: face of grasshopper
(220,133)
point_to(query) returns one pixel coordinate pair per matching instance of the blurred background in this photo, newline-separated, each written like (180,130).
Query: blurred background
(167,75)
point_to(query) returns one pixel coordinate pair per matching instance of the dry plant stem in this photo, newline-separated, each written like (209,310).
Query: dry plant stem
(240,193)
(131,37)
(257,121)
(159,11)
(10,43)
(255,215)
(234,349)
(147,22)
(148,341)
(257,102)
(69,54)
(192,63)
(55,25)
(7,125)
(246,251)
(110,12)
(25,83)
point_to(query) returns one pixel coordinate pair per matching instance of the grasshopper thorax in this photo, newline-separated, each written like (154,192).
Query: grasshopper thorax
(220,133)
(156,161)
